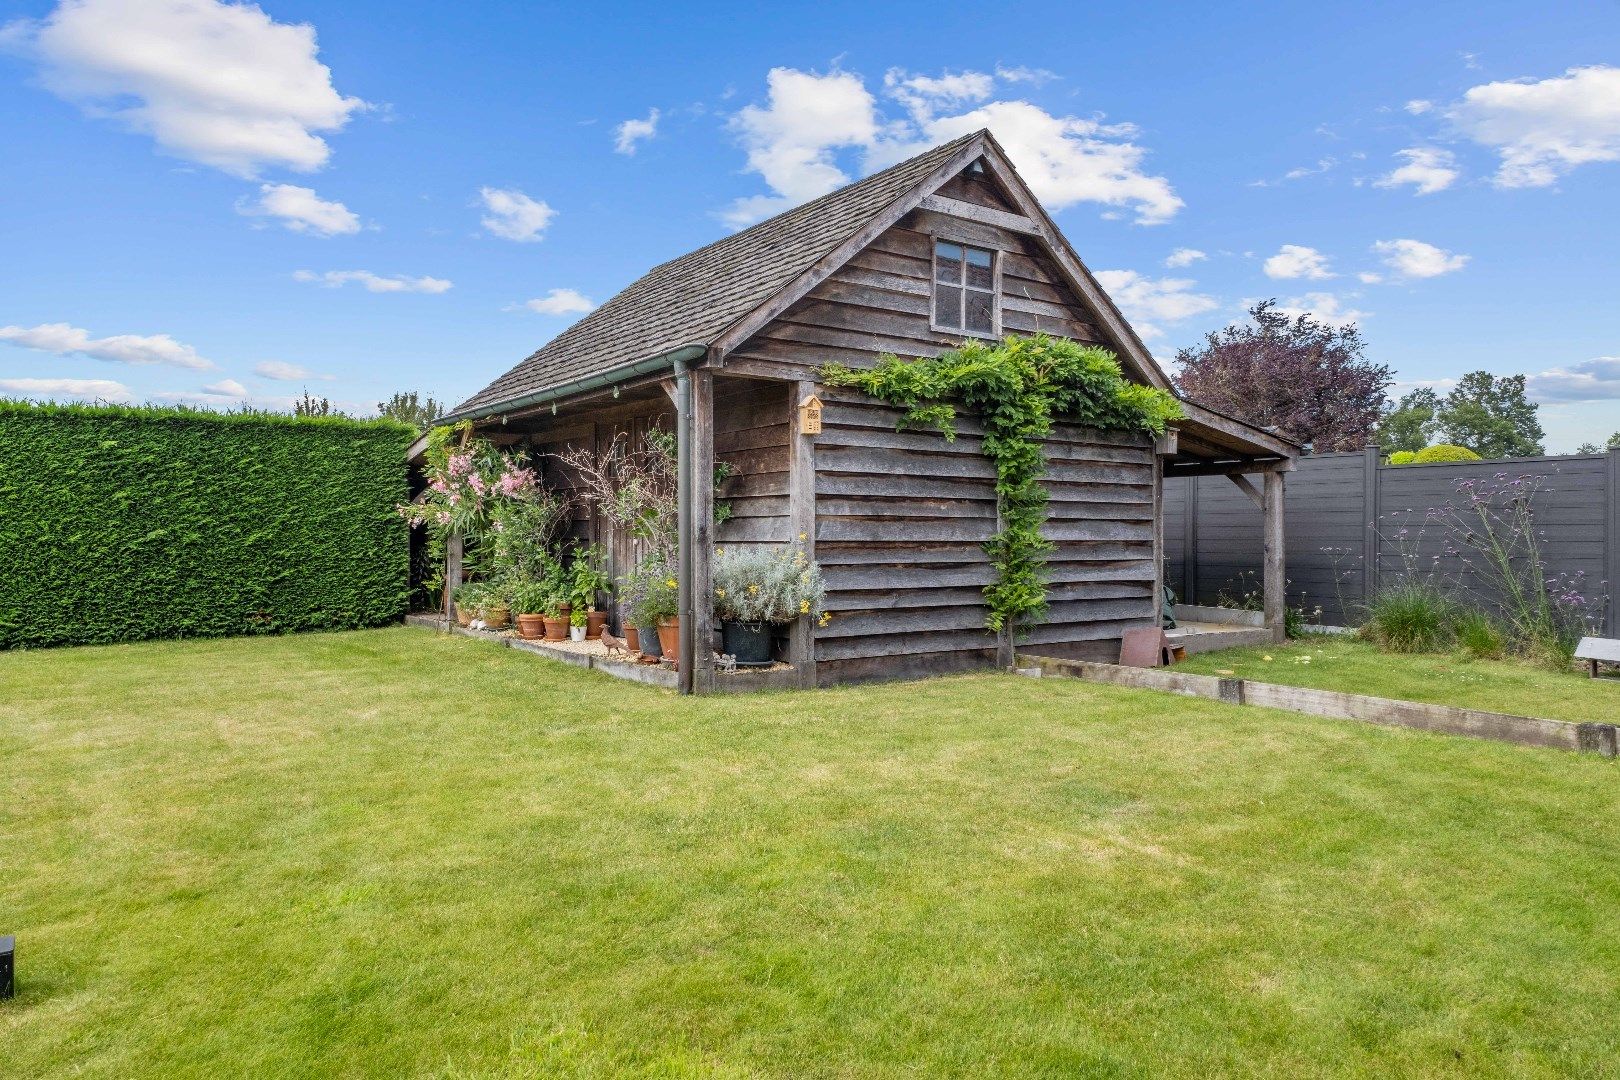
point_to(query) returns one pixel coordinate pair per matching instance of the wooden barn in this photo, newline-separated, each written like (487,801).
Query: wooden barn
(724,346)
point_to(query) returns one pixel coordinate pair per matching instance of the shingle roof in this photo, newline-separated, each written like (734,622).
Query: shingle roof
(692,299)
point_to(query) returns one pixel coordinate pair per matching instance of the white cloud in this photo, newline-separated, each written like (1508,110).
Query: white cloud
(399,283)
(1597,379)
(1542,130)
(226,388)
(1022,74)
(793,140)
(85,389)
(1150,301)
(1428,169)
(790,141)
(631,132)
(1184,257)
(1417,106)
(301,210)
(66,340)
(1296,261)
(220,84)
(1415,259)
(1370,277)
(560,302)
(284,372)
(1324,306)
(512,215)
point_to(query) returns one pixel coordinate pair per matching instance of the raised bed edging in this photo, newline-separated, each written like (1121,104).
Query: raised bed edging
(725,683)
(1603,739)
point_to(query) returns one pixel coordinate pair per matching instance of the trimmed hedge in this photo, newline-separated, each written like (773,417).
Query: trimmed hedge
(123,523)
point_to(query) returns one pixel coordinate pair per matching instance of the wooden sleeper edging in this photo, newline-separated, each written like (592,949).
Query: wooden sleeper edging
(1602,739)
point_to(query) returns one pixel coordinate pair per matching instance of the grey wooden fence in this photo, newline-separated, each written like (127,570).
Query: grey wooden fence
(1213,545)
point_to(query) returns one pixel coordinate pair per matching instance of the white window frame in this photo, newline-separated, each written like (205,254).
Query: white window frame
(994,333)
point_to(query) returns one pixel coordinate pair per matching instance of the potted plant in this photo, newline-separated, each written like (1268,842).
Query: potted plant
(586,580)
(757,591)
(663,607)
(529,598)
(497,613)
(465,600)
(577,619)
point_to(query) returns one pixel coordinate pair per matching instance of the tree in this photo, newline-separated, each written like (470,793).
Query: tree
(1411,424)
(1492,416)
(408,408)
(314,406)
(1307,379)
(1594,448)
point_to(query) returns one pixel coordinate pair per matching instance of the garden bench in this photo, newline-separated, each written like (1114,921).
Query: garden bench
(1596,650)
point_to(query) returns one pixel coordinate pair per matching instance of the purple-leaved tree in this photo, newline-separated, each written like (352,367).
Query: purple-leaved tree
(1306,378)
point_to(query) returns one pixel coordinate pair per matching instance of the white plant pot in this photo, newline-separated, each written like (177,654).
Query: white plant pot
(576,633)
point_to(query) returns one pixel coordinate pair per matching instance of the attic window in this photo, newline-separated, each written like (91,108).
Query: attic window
(965,289)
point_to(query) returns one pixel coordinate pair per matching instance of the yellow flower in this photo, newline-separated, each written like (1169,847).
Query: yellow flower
(826,617)
(804,536)
(804,607)
(721,593)
(672,583)
(753,588)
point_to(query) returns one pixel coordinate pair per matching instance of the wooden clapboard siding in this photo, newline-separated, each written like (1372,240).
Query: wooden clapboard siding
(751,436)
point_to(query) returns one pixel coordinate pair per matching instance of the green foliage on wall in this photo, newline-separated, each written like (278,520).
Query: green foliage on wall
(1017,387)
(118,524)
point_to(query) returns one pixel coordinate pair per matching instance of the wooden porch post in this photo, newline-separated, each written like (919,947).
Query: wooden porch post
(802,520)
(1275,578)
(702,596)
(452,575)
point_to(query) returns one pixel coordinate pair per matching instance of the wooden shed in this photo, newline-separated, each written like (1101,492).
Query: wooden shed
(724,346)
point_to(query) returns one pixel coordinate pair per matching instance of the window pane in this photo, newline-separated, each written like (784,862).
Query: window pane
(979,318)
(948,306)
(978,269)
(948,263)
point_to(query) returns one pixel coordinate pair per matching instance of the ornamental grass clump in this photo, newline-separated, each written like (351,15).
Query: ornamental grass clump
(758,586)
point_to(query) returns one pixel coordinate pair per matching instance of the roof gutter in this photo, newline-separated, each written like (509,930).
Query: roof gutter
(683,355)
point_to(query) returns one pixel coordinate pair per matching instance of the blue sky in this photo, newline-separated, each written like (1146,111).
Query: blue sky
(220,203)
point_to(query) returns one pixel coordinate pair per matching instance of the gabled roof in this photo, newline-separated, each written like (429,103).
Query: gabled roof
(691,300)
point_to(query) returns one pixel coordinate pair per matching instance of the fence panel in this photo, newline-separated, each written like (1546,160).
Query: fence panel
(1336,560)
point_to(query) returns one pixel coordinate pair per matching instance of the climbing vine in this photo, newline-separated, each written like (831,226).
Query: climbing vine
(1017,387)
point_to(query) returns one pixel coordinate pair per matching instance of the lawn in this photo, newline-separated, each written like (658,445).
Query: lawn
(390,853)
(1337,662)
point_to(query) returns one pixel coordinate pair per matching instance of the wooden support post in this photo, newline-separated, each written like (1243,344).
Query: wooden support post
(1275,578)
(702,433)
(1163,447)
(802,515)
(452,574)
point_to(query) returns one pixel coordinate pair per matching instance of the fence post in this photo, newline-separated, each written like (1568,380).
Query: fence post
(1189,542)
(1612,541)
(1371,456)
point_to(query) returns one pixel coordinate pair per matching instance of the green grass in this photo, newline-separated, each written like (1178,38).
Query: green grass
(389,853)
(1353,666)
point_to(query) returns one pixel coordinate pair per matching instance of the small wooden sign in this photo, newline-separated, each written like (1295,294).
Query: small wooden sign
(1596,650)
(810,416)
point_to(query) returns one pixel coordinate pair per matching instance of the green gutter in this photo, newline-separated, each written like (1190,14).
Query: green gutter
(684,354)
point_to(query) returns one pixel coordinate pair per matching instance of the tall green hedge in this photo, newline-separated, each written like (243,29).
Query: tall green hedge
(118,524)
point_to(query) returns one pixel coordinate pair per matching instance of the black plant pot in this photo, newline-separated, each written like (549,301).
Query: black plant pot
(750,643)
(649,641)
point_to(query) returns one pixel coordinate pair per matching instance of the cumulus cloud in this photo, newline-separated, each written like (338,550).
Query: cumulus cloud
(220,84)
(1597,379)
(1320,305)
(512,215)
(560,302)
(631,132)
(1428,169)
(282,371)
(1184,257)
(1415,259)
(1147,302)
(1417,106)
(51,389)
(67,340)
(399,283)
(793,140)
(301,210)
(1297,261)
(1543,129)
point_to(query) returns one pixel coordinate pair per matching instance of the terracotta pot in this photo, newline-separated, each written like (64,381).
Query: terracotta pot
(532,626)
(669,637)
(464,615)
(632,639)
(556,629)
(498,617)
(594,621)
